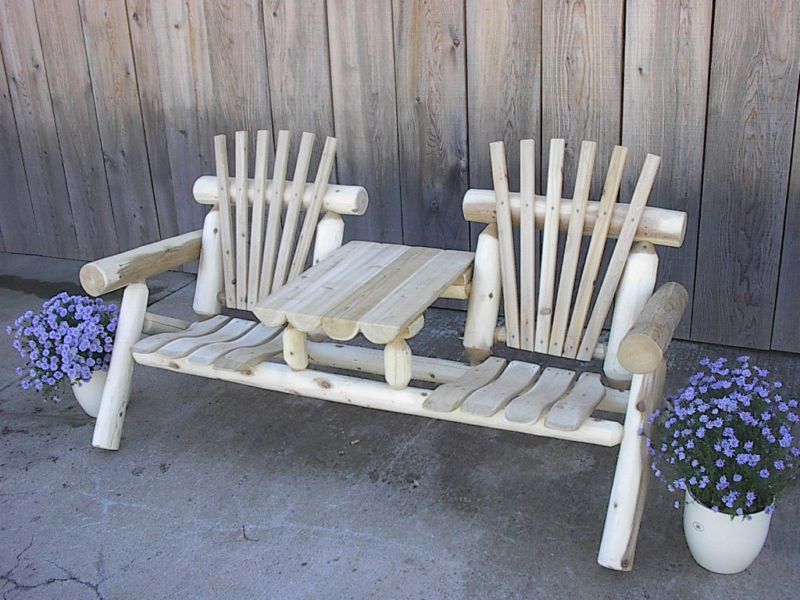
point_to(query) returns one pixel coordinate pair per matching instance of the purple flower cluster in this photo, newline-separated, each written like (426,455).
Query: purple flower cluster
(71,337)
(727,438)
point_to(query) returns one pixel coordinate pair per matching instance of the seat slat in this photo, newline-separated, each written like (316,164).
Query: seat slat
(257,218)
(527,235)
(619,257)
(209,353)
(491,398)
(226,232)
(547,275)
(242,220)
(179,348)
(275,193)
(154,342)
(572,247)
(530,406)
(569,413)
(244,359)
(448,397)
(505,233)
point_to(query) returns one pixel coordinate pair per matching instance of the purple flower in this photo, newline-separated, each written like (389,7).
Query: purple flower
(763,473)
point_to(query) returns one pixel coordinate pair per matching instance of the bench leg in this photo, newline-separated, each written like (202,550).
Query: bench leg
(628,492)
(295,348)
(117,390)
(397,363)
(484,297)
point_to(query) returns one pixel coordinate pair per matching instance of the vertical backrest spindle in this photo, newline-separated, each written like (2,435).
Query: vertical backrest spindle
(257,219)
(275,194)
(242,221)
(226,235)
(527,243)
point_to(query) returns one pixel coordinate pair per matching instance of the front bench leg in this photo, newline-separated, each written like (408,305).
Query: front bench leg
(397,363)
(295,348)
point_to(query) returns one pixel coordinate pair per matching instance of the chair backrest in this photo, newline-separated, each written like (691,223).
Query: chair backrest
(556,317)
(266,239)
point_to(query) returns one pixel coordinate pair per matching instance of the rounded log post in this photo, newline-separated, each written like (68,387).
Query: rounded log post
(635,288)
(295,348)
(209,274)
(397,363)
(116,393)
(330,233)
(642,349)
(484,298)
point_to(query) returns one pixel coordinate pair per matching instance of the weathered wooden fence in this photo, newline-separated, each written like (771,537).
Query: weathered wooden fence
(108,109)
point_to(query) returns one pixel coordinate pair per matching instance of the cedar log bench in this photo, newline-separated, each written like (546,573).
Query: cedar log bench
(255,251)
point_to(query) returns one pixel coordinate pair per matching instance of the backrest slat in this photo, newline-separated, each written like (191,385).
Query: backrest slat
(505,232)
(547,275)
(620,255)
(257,218)
(527,242)
(293,210)
(274,215)
(314,208)
(242,221)
(594,255)
(221,158)
(572,247)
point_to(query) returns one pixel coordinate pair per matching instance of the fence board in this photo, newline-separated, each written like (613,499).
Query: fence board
(582,81)
(18,222)
(365,112)
(752,98)
(120,120)
(667,47)
(431,107)
(61,34)
(30,98)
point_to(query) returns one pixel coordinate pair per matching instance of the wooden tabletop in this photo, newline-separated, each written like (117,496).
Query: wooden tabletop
(365,287)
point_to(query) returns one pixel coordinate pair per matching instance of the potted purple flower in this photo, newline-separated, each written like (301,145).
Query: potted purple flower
(725,442)
(68,343)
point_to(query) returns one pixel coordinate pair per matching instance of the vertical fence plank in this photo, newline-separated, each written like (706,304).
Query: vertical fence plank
(582,81)
(431,107)
(17,218)
(296,35)
(64,53)
(119,117)
(752,98)
(667,47)
(787,317)
(365,112)
(33,111)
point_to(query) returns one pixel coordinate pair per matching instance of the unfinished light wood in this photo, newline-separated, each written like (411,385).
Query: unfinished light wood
(314,208)
(397,362)
(642,350)
(242,221)
(547,270)
(243,359)
(489,399)
(330,234)
(114,272)
(570,412)
(256,335)
(197,329)
(527,241)
(209,283)
(505,232)
(619,257)
(591,266)
(226,231)
(155,323)
(448,397)
(530,406)
(273,232)
(295,350)
(484,299)
(257,218)
(184,346)
(572,247)
(293,210)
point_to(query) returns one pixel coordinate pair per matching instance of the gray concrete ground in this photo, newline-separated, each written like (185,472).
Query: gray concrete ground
(224,491)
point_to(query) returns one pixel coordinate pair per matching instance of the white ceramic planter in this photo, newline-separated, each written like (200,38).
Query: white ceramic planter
(719,543)
(89,393)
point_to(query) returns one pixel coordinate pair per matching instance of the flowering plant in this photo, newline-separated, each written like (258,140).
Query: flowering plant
(71,337)
(727,438)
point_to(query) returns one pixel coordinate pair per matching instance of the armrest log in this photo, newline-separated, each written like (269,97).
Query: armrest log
(642,349)
(111,273)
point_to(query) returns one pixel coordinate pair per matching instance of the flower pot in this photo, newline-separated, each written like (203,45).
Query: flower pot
(89,393)
(720,543)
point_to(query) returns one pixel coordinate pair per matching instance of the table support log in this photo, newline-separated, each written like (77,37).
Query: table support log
(397,362)
(295,348)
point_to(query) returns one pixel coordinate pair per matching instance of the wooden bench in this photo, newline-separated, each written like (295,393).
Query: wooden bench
(254,256)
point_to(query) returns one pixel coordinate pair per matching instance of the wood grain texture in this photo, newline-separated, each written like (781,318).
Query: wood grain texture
(61,34)
(582,79)
(119,117)
(365,112)
(38,138)
(18,221)
(752,97)
(431,108)
(667,54)
(296,34)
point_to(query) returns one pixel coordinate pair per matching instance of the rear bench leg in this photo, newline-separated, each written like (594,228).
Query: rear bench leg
(117,390)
